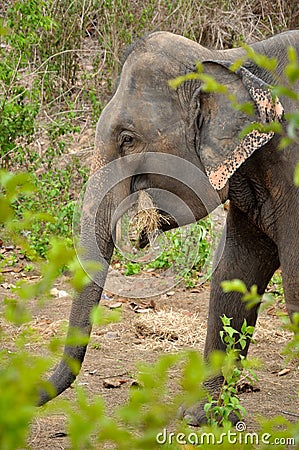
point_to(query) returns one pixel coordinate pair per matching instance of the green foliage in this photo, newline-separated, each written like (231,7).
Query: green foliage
(25,22)
(186,252)
(296,175)
(251,297)
(132,268)
(292,68)
(20,374)
(100,316)
(218,410)
(37,34)
(46,33)
(276,287)
(292,347)
(52,193)
(148,410)
(18,110)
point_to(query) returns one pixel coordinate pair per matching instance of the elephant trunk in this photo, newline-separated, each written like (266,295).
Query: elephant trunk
(73,356)
(97,243)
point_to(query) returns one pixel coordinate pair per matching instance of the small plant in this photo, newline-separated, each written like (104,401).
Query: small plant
(132,268)
(28,267)
(186,252)
(276,287)
(187,243)
(96,346)
(291,349)
(219,410)
(53,194)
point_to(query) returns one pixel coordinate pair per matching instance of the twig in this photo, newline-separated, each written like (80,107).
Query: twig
(7,153)
(167,18)
(74,50)
(289,413)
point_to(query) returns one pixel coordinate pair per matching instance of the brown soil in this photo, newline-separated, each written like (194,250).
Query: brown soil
(177,321)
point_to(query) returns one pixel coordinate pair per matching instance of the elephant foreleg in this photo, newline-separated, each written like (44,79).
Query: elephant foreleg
(248,255)
(288,253)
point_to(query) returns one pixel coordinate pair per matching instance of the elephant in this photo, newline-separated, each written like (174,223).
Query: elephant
(189,131)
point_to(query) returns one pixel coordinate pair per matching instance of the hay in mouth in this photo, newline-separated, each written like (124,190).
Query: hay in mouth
(147,219)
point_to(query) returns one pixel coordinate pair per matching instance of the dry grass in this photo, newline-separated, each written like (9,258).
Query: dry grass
(227,23)
(216,24)
(170,330)
(147,218)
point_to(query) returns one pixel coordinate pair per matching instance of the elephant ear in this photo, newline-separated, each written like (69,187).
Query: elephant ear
(221,150)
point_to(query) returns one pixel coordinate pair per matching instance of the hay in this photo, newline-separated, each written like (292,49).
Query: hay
(175,330)
(147,218)
(169,330)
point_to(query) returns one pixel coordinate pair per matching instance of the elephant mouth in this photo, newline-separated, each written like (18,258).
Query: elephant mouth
(148,221)
(140,224)
(166,222)
(148,218)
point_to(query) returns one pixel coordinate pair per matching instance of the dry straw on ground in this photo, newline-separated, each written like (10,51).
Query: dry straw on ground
(174,330)
(171,330)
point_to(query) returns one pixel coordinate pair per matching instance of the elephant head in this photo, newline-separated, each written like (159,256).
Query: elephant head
(184,142)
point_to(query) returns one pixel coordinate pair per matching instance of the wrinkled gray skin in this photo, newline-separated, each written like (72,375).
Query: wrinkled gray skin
(146,115)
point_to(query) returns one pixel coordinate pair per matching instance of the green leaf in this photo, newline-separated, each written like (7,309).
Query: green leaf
(242,342)
(234,286)
(237,64)
(296,175)
(230,331)
(132,269)
(292,69)
(284,142)
(101,316)
(226,320)
(176,82)
(272,127)
(209,83)
(261,60)
(246,108)
(6,211)
(250,330)
(280,90)
(244,326)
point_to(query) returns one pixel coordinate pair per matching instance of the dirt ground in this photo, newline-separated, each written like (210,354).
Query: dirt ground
(143,336)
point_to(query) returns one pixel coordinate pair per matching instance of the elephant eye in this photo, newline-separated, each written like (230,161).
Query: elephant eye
(126,140)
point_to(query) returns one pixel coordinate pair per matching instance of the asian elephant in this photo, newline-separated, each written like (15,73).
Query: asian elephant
(147,122)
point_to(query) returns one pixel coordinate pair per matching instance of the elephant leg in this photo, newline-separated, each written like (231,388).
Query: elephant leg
(248,255)
(291,293)
(288,254)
